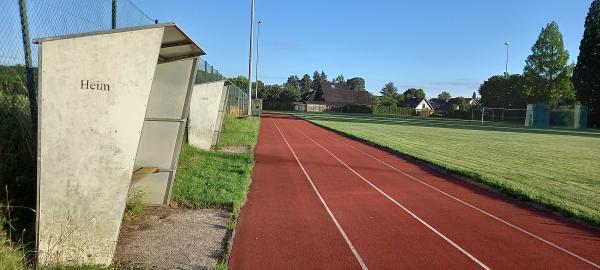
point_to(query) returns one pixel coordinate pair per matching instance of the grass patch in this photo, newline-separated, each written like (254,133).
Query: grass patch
(556,168)
(208,179)
(135,205)
(12,254)
(212,179)
(239,131)
(12,257)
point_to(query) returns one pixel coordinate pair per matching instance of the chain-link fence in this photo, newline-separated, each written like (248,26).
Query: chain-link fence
(207,73)
(237,101)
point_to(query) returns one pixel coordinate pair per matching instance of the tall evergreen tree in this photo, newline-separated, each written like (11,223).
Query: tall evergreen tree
(339,79)
(474,97)
(305,83)
(586,76)
(546,71)
(323,76)
(316,80)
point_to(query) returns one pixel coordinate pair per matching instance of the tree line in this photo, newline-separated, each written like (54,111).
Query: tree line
(294,87)
(390,95)
(548,77)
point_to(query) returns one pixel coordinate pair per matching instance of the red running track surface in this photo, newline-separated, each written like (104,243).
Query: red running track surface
(319,200)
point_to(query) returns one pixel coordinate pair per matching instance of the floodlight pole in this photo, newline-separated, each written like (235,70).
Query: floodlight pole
(250,58)
(257,53)
(506,67)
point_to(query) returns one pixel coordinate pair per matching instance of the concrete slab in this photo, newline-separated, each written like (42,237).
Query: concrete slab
(206,114)
(88,139)
(108,102)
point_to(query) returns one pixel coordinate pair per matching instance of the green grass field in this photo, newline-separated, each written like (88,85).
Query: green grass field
(558,168)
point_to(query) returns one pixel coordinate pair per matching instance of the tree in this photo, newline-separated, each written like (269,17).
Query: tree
(289,94)
(463,104)
(389,95)
(241,82)
(357,83)
(339,79)
(504,92)
(261,86)
(293,81)
(316,80)
(474,97)
(389,90)
(586,75)
(414,92)
(323,76)
(445,96)
(546,71)
(270,93)
(305,83)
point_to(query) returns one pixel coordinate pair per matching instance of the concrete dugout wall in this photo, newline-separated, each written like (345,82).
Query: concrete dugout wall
(112,110)
(207,108)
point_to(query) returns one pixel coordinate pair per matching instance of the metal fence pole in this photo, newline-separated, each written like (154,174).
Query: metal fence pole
(114,14)
(205,71)
(28,66)
(482,113)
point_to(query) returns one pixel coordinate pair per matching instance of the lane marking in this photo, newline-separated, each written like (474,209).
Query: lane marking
(476,208)
(402,206)
(312,184)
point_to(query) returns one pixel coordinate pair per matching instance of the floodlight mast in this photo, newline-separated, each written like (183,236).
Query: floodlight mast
(257,54)
(250,58)
(506,67)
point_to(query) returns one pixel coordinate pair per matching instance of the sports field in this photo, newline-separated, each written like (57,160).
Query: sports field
(558,168)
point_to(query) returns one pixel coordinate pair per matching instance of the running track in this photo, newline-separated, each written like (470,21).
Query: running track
(319,200)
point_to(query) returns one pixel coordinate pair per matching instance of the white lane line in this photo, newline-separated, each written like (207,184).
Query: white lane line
(337,224)
(476,208)
(401,206)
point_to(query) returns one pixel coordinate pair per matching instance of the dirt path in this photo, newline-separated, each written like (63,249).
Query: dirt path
(379,211)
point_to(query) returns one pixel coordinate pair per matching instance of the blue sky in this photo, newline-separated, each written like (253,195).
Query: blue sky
(431,44)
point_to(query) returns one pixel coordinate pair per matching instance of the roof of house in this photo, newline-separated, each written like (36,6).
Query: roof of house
(413,102)
(337,94)
(454,100)
(437,103)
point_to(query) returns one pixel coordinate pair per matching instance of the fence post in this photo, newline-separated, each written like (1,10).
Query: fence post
(114,14)
(28,66)
(205,71)
(482,113)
